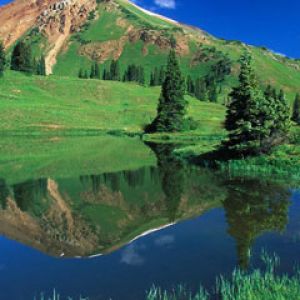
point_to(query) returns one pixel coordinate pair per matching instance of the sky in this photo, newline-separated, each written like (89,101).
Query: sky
(274,24)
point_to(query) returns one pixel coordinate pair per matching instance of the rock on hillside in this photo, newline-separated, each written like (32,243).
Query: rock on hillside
(56,20)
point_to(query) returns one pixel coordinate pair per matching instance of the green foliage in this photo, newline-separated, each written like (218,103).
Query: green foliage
(250,213)
(210,86)
(21,59)
(172,174)
(134,73)
(171,109)
(296,110)
(282,163)
(113,72)
(258,285)
(41,66)
(81,73)
(2,59)
(158,76)
(95,71)
(256,122)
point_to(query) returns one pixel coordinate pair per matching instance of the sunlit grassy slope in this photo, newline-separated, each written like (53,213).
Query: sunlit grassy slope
(111,25)
(60,105)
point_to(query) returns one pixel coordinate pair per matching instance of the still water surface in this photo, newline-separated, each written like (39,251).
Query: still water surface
(113,234)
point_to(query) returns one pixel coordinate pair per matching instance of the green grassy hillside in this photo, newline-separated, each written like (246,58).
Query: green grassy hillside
(61,105)
(64,104)
(119,30)
(199,51)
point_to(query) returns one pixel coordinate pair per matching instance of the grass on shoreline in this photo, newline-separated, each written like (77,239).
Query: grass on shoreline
(256,285)
(283,162)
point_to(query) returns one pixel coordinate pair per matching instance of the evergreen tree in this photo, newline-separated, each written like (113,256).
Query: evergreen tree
(43,66)
(250,116)
(296,110)
(201,90)
(105,75)
(21,59)
(80,73)
(97,70)
(213,93)
(86,75)
(172,105)
(92,72)
(40,66)
(156,77)
(115,71)
(282,117)
(152,79)
(36,66)
(2,59)
(135,73)
(190,86)
(162,75)
(141,77)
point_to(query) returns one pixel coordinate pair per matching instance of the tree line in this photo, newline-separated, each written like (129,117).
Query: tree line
(209,87)
(133,73)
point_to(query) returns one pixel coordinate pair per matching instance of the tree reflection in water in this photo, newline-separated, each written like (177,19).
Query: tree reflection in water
(172,174)
(253,207)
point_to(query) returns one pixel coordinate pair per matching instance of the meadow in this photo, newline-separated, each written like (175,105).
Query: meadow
(56,105)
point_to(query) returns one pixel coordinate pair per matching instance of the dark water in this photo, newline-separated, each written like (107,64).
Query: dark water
(163,224)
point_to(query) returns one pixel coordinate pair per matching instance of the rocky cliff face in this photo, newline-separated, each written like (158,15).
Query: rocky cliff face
(59,20)
(18,17)
(55,19)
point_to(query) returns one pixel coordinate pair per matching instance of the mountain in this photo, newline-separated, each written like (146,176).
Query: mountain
(73,33)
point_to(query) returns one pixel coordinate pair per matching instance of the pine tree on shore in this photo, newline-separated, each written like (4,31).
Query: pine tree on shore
(251,116)
(171,109)
(2,59)
(296,110)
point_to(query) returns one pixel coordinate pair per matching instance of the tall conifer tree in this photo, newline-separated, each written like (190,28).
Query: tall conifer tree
(172,105)
(2,59)
(250,117)
(296,110)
